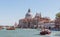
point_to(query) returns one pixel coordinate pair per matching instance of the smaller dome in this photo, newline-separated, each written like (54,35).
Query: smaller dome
(38,15)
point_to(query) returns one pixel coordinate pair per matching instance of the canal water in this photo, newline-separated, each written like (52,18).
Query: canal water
(26,33)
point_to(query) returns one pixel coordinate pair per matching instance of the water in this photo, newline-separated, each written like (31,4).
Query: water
(26,33)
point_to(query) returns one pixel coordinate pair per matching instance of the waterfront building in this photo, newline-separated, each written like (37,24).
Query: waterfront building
(57,23)
(34,22)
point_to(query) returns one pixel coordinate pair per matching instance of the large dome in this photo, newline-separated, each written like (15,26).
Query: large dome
(28,14)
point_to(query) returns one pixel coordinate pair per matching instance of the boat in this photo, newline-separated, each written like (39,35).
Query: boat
(1,27)
(45,31)
(10,28)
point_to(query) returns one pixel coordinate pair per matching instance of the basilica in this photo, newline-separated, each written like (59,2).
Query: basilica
(35,22)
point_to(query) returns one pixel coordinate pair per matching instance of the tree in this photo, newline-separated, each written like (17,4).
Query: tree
(58,15)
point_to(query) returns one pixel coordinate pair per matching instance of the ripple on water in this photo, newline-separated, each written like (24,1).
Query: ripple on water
(27,32)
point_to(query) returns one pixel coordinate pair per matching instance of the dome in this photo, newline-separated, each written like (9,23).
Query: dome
(28,14)
(38,15)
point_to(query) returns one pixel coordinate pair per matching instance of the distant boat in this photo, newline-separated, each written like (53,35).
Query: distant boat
(10,28)
(1,28)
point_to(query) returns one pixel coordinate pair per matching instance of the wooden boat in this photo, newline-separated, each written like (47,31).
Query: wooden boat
(44,32)
(10,28)
(1,28)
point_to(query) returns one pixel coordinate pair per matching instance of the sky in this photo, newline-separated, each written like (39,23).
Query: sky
(13,10)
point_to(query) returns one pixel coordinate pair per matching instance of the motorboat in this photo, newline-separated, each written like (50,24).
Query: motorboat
(1,28)
(45,31)
(10,28)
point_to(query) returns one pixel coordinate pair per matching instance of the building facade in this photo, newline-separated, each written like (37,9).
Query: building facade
(33,22)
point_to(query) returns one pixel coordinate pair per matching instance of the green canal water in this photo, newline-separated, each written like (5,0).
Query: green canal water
(26,33)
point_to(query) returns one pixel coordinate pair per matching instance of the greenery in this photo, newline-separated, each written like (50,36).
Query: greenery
(58,14)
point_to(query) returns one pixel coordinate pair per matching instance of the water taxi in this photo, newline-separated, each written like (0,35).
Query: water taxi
(10,28)
(45,31)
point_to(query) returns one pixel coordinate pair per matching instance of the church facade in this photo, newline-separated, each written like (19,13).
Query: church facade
(33,22)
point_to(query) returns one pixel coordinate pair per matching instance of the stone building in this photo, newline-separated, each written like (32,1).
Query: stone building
(57,24)
(33,22)
(27,21)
